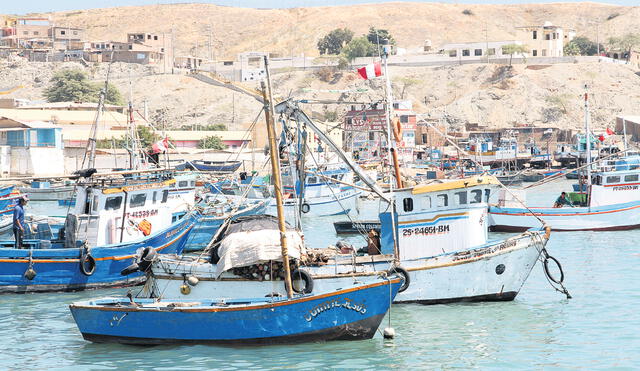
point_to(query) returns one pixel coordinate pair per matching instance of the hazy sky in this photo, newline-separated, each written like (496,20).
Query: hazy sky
(27,6)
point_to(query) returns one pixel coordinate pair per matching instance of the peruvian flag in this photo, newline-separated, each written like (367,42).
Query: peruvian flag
(370,71)
(604,136)
(161,145)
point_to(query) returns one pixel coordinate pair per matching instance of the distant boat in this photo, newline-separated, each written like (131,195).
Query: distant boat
(356,226)
(351,313)
(213,166)
(41,191)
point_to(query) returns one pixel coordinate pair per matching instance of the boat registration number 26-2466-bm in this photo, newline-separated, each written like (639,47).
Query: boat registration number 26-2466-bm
(420,231)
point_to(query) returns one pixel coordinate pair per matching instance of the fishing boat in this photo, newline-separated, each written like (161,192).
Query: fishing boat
(607,198)
(43,191)
(115,222)
(356,226)
(434,235)
(223,167)
(349,313)
(8,198)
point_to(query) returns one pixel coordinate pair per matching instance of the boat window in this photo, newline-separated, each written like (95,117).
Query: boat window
(155,196)
(407,204)
(113,203)
(476,196)
(312,180)
(183,183)
(462,197)
(138,200)
(443,200)
(487,194)
(631,178)
(165,195)
(193,183)
(426,202)
(94,205)
(613,179)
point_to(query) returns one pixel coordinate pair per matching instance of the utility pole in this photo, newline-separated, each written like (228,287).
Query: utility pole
(486,39)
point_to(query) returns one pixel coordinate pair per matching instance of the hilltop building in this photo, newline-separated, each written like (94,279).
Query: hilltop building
(547,40)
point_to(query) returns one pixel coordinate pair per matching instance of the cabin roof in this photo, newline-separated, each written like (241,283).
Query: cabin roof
(455,184)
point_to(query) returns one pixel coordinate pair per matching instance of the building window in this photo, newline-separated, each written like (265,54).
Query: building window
(491,51)
(26,32)
(407,204)
(149,37)
(477,52)
(75,32)
(535,35)
(465,52)
(544,52)
(424,138)
(372,135)
(404,119)
(534,53)
(548,36)
(63,32)
(36,32)
(453,53)
(155,37)
(162,50)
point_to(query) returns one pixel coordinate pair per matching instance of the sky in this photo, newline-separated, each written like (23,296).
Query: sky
(35,6)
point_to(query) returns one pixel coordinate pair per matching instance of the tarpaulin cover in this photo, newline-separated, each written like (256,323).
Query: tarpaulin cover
(253,240)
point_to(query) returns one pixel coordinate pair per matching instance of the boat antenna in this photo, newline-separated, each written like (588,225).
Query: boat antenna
(275,169)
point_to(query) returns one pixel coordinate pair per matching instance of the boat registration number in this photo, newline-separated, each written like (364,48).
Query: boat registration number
(434,229)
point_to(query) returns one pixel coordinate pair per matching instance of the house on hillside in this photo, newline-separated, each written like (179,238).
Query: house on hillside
(547,40)
(476,50)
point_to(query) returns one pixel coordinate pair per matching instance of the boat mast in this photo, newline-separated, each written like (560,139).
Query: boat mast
(90,151)
(277,180)
(392,152)
(588,134)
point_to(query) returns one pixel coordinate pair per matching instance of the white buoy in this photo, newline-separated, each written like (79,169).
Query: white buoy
(389,333)
(193,280)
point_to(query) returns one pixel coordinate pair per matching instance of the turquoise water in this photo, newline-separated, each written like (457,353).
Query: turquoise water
(598,328)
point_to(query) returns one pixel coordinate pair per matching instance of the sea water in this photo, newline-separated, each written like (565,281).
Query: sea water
(541,329)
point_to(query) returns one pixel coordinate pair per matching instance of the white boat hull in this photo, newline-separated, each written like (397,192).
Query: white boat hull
(493,272)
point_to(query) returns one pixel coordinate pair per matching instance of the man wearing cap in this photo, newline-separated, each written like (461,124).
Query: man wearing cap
(18,221)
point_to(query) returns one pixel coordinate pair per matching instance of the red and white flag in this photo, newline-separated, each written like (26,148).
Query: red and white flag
(370,71)
(161,145)
(609,131)
(605,135)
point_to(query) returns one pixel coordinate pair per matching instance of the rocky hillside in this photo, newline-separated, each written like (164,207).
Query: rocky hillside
(498,96)
(296,31)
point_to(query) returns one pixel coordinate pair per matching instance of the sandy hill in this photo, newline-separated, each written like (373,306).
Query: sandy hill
(296,31)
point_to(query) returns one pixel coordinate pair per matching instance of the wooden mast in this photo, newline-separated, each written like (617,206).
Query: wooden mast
(275,170)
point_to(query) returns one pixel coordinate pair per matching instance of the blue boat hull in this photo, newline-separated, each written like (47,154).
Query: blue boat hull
(58,269)
(347,314)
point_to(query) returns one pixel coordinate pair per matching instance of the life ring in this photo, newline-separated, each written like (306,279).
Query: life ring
(305,208)
(397,129)
(87,264)
(405,276)
(306,277)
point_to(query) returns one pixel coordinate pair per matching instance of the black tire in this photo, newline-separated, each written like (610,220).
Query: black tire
(87,264)
(146,258)
(306,277)
(305,208)
(546,269)
(130,269)
(215,258)
(405,276)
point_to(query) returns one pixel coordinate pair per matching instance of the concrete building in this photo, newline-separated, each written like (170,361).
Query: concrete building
(477,50)
(30,148)
(365,129)
(140,47)
(547,40)
(629,124)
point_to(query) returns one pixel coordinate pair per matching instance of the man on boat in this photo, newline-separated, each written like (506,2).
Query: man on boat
(562,200)
(18,221)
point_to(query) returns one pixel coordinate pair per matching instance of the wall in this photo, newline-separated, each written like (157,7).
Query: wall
(37,161)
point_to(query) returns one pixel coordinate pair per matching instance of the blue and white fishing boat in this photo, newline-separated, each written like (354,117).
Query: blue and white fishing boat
(115,222)
(608,199)
(8,198)
(224,167)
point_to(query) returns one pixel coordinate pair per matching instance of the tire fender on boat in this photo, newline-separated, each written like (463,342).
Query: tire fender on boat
(146,257)
(87,263)
(405,276)
(305,208)
(306,277)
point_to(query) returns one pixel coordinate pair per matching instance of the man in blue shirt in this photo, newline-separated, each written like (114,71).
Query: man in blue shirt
(18,222)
